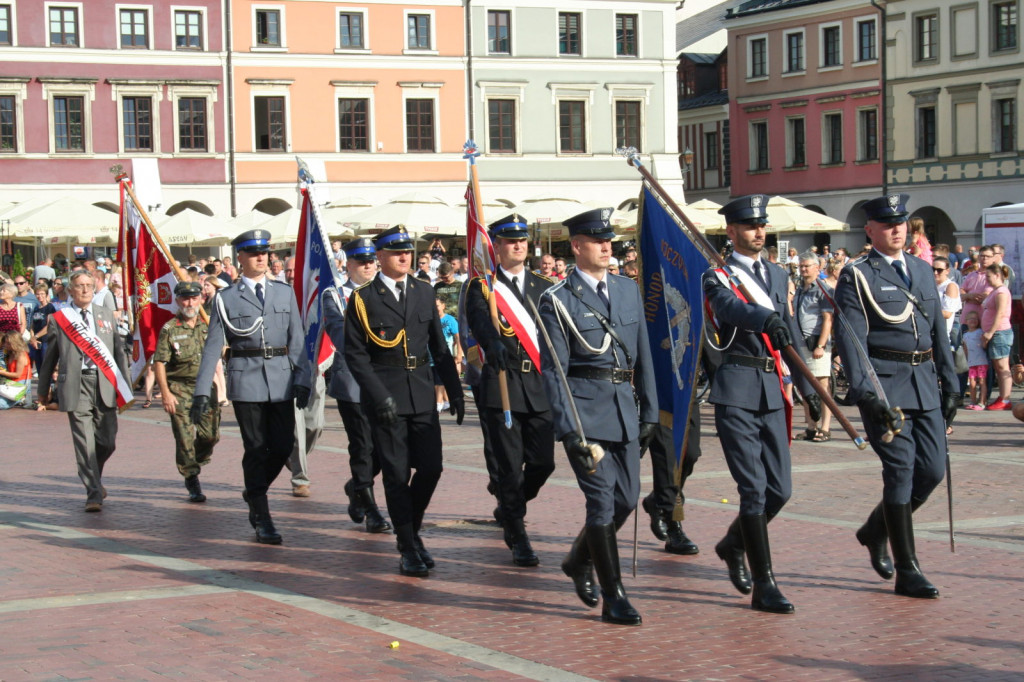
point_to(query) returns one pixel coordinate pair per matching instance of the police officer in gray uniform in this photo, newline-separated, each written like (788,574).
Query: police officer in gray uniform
(890,300)
(595,321)
(258,319)
(361,265)
(750,407)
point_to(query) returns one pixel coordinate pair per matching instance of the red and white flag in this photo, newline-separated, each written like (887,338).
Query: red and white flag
(315,277)
(149,282)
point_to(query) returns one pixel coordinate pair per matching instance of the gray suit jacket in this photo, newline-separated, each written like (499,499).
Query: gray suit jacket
(60,350)
(343,383)
(256,379)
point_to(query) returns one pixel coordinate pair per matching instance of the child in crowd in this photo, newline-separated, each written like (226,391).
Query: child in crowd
(450,327)
(977,361)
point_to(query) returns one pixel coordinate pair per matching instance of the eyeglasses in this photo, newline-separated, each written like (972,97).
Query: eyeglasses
(939,269)
(20,283)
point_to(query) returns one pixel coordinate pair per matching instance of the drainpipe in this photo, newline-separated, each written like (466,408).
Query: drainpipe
(469,69)
(230,80)
(884,128)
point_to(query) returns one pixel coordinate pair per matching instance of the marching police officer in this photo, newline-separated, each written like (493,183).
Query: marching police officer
(598,335)
(391,332)
(751,411)
(258,319)
(890,300)
(360,265)
(176,364)
(525,453)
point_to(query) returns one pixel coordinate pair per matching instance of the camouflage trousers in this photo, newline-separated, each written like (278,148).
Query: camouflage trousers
(193,442)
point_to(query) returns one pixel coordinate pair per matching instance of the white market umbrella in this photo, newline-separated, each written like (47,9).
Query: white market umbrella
(545,213)
(63,219)
(249,221)
(786,215)
(336,213)
(284,227)
(705,216)
(421,214)
(192,228)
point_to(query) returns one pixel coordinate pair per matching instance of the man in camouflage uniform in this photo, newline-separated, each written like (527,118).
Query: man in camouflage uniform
(176,363)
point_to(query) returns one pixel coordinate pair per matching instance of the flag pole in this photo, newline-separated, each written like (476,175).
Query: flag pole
(793,358)
(122,243)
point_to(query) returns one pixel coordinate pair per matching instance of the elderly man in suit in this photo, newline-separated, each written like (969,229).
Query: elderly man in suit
(890,300)
(390,325)
(93,369)
(267,372)
(752,413)
(598,336)
(364,463)
(525,453)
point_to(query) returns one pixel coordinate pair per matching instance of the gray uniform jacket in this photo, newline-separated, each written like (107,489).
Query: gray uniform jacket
(343,383)
(906,385)
(607,410)
(256,379)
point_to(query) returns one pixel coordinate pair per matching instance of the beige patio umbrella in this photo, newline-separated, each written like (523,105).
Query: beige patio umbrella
(249,221)
(64,219)
(284,227)
(192,228)
(786,215)
(544,213)
(340,210)
(422,215)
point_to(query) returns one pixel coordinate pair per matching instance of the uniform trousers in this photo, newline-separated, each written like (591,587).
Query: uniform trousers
(362,458)
(93,433)
(489,461)
(268,435)
(915,461)
(663,464)
(756,446)
(193,443)
(524,456)
(309,424)
(411,443)
(611,491)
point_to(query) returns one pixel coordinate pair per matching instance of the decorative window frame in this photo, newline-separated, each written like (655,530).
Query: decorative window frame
(180,89)
(17,87)
(55,4)
(270,87)
(422,90)
(131,87)
(357,90)
(514,90)
(785,52)
(338,49)
(204,19)
(750,58)
(821,46)
(406,50)
(148,9)
(256,47)
(70,87)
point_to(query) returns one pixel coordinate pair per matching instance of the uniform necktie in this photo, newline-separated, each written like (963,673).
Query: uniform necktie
(259,292)
(759,271)
(897,265)
(515,285)
(603,296)
(400,286)
(89,364)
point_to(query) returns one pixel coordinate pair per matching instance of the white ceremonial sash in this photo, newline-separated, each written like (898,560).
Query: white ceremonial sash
(93,348)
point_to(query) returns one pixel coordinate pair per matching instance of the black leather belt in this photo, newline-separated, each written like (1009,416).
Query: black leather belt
(409,362)
(915,358)
(763,364)
(265,352)
(616,376)
(525,365)
(89,372)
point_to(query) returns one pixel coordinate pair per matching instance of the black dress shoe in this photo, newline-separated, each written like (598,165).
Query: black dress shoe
(522,551)
(422,551)
(375,521)
(658,524)
(411,564)
(356,512)
(266,533)
(768,597)
(252,514)
(677,542)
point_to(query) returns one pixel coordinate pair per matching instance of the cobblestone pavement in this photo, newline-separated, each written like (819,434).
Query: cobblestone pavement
(155,587)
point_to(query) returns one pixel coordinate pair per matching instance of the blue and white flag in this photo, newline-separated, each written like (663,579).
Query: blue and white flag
(315,277)
(670,280)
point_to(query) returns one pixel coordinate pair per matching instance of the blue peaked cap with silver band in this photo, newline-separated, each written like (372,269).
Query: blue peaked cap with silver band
(891,209)
(512,226)
(360,249)
(593,223)
(393,239)
(252,241)
(751,209)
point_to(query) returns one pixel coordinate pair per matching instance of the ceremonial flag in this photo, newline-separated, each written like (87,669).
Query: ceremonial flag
(315,276)
(149,282)
(478,242)
(670,279)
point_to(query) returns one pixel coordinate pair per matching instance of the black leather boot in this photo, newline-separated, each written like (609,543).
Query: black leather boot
(874,536)
(730,550)
(356,512)
(265,532)
(410,562)
(677,542)
(659,526)
(522,551)
(252,514)
(195,491)
(604,552)
(375,521)
(578,566)
(767,596)
(910,582)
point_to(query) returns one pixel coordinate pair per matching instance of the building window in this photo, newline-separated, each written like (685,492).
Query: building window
(869,135)
(69,124)
(1004,21)
(498,34)
(569,33)
(188,30)
(419,32)
(625,35)
(572,127)
(758,58)
(268,27)
(628,124)
(926,132)
(137,115)
(350,28)
(134,28)
(64,26)
(831,46)
(794,52)
(353,125)
(797,143)
(269,124)
(1006,129)
(192,124)
(6,35)
(866,41)
(8,124)
(833,142)
(687,80)
(711,151)
(419,125)
(759,146)
(501,126)
(926,35)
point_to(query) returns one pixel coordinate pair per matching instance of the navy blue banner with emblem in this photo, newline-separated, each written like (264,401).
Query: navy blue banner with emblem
(670,280)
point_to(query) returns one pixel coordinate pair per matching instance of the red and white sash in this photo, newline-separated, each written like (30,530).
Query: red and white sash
(93,348)
(519,319)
